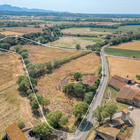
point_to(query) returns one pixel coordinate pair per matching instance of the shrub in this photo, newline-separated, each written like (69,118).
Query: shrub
(21,125)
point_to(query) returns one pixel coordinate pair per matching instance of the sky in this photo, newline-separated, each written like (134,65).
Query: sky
(81,6)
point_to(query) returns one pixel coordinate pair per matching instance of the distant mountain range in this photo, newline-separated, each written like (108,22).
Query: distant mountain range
(6,7)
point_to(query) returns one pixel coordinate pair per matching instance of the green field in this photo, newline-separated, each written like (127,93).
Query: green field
(122,52)
(102,31)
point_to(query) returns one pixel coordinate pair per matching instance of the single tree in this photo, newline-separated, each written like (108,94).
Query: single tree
(78,47)
(49,66)
(34,105)
(88,97)
(80,109)
(111,110)
(78,90)
(54,118)
(21,125)
(45,102)
(63,120)
(77,75)
(42,130)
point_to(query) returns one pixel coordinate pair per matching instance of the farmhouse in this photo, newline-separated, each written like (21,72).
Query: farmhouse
(13,132)
(108,133)
(116,84)
(130,95)
(89,80)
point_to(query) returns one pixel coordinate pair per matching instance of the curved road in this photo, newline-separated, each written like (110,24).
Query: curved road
(86,124)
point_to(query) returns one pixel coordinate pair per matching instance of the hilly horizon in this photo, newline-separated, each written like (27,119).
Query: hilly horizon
(7,7)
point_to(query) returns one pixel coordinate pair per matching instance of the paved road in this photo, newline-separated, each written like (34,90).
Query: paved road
(85,126)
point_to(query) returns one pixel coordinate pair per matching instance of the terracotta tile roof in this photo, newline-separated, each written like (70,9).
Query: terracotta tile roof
(89,80)
(126,111)
(128,92)
(108,131)
(15,133)
(116,83)
(122,79)
(137,96)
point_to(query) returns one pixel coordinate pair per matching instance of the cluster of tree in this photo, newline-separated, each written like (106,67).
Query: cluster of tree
(125,23)
(105,111)
(48,35)
(79,90)
(122,39)
(56,119)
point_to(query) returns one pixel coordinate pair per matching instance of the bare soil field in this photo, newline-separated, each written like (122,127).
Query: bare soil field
(23,30)
(10,69)
(8,33)
(40,54)
(85,31)
(124,67)
(70,42)
(14,108)
(134,45)
(49,85)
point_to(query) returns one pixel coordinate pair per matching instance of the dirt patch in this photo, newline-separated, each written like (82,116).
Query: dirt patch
(134,45)
(23,30)
(10,69)
(7,33)
(48,84)
(124,67)
(40,54)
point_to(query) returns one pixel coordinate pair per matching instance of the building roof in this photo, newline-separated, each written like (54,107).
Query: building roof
(108,131)
(126,111)
(122,79)
(14,132)
(89,80)
(128,92)
(116,83)
(137,96)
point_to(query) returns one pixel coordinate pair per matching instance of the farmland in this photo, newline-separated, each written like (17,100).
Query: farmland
(102,31)
(40,54)
(134,45)
(50,85)
(70,42)
(14,108)
(19,30)
(124,67)
(10,69)
(122,52)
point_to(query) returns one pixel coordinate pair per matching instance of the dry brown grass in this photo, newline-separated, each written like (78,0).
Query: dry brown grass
(8,33)
(70,42)
(23,30)
(135,45)
(40,54)
(124,67)
(14,108)
(48,85)
(10,69)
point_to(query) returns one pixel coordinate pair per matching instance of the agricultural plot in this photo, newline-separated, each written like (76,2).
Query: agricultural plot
(124,67)
(134,45)
(50,85)
(10,69)
(70,42)
(20,30)
(40,54)
(10,33)
(14,108)
(85,31)
(102,31)
(122,52)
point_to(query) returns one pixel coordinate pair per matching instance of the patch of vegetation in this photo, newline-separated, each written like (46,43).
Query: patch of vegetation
(138,77)
(123,52)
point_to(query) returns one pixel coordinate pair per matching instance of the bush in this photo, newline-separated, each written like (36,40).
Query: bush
(21,125)
(138,77)
(56,63)
(77,75)
(88,97)
(63,120)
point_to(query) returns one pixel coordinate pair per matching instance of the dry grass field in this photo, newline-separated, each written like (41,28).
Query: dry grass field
(124,67)
(9,33)
(40,54)
(14,108)
(23,30)
(134,45)
(49,85)
(10,69)
(70,42)
(85,31)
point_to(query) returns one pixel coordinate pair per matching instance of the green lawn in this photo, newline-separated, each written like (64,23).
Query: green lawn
(122,52)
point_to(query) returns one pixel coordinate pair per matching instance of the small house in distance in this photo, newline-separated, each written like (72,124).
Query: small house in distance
(89,80)
(13,132)
(108,133)
(125,115)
